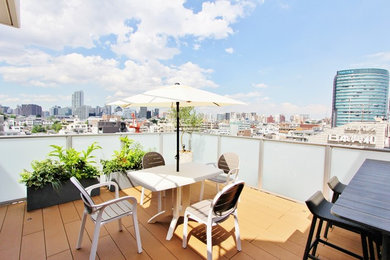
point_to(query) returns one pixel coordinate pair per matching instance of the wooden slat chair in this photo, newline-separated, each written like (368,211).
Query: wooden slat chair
(229,163)
(152,159)
(321,210)
(106,212)
(214,211)
(337,188)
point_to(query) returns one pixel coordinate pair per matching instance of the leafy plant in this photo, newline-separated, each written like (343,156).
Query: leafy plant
(128,158)
(68,163)
(44,172)
(77,164)
(189,121)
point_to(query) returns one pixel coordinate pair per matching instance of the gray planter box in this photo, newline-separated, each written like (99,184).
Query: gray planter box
(48,196)
(122,180)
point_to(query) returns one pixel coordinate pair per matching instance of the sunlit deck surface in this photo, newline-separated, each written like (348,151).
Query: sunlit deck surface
(271,228)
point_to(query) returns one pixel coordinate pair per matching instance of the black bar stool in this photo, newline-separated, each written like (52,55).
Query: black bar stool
(337,187)
(321,210)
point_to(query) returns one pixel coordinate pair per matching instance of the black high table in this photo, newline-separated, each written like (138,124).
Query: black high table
(366,199)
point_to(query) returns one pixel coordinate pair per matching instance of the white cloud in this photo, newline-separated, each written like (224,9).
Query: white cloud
(141,32)
(260,85)
(106,73)
(141,36)
(196,46)
(247,95)
(40,99)
(383,56)
(375,60)
(42,70)
(284,6)
(229,50)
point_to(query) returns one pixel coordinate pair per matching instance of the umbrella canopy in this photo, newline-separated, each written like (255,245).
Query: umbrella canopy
(176,96)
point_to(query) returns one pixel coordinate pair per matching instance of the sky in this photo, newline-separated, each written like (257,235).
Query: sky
(277,56)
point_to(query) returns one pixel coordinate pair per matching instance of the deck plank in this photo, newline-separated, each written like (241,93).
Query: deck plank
(65,255)
(55,237)
(33,222)
(11,233)
(68,212)
(33,246)
(3,211)
(72,232)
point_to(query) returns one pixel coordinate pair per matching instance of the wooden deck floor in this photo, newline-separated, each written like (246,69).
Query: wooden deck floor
(271,228)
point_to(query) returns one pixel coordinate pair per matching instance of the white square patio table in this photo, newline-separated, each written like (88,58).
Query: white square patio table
(166,178)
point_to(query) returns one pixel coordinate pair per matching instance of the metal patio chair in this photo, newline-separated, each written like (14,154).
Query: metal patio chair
(214,211)
(152,159)
(106,212)
(229,163)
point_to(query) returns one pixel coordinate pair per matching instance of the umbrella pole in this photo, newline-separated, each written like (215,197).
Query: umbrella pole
(177,136)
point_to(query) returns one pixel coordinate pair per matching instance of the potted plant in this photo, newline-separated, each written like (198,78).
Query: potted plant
(189,122)
(128,158)
(48,183)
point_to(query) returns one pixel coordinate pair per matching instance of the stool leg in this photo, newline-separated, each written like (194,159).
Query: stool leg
(371,246)
(309,238)
(364,245)
(317,236)
(328,225)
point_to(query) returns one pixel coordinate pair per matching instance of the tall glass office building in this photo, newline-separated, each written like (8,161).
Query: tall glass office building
(359,95)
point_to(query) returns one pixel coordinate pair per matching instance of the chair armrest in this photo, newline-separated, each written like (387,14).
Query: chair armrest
(212,163)
(133,201)
(233,171)
(107,183)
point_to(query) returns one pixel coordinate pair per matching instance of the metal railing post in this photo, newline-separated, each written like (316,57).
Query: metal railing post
(160,143)
(69,142)
(218,148)
(261,165)
(327,170)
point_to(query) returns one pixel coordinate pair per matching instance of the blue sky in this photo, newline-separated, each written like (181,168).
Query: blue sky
(278,56)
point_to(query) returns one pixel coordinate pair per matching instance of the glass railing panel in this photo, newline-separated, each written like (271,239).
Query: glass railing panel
(17,154)
(205,148)
(149,142)
(169,147)
(248,151)
(346,162)
(293,170)
(109,144)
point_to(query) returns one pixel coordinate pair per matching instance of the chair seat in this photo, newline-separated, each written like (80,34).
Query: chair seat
(200,209)
(222,178)
(324,211)
(114,210)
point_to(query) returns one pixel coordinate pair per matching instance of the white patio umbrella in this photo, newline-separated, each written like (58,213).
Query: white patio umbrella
(179,96)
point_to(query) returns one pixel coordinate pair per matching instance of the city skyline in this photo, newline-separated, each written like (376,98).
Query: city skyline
(280,57)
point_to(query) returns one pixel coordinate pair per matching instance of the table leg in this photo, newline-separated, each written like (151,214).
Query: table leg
(176,213)
(167,209)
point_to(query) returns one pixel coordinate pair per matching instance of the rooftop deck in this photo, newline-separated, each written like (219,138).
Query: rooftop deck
(271,228)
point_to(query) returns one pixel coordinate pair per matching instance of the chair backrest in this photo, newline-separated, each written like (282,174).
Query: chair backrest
(228,161)
(317,204)
(225,202)
(333,182)
(152,159)
(88,202)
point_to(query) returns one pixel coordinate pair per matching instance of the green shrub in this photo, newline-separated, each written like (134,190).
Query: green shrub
(67,163)
(44,172)
(128,158)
